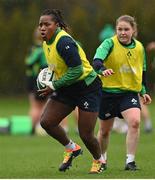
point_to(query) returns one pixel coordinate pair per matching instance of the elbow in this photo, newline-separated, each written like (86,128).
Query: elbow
(97,64)
(79,73)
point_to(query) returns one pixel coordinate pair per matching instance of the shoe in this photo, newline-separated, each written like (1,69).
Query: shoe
(148,129)
(97,167)
(69,155)
(131,166)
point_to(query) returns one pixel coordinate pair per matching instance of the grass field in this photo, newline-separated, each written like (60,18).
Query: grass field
(39,157)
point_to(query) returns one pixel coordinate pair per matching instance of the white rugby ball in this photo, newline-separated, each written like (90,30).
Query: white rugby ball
(44,75)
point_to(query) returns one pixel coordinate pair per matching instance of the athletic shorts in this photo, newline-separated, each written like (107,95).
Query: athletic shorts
(86,97)
(113,104)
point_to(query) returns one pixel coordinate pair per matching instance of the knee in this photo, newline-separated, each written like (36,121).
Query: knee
(134,124)
(44,123)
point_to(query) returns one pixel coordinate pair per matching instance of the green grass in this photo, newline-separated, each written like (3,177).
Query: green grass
(39,157)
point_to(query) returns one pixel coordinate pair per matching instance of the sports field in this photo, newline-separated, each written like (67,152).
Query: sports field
(39,157)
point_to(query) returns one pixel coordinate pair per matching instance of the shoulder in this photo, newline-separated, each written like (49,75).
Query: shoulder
(107,43)
(65,42)
(65,39)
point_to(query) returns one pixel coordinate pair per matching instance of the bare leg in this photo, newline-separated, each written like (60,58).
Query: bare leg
(86,125)
(146,117)
(132,116)
(104,133)
(64,124)
(76,117)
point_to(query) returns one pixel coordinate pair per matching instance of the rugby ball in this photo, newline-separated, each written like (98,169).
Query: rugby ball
(44,75)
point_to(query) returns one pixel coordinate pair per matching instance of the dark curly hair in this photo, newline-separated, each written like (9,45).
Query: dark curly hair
(57,17)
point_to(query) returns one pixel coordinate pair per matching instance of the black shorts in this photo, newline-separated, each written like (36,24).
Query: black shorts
(85,97)
(113,104)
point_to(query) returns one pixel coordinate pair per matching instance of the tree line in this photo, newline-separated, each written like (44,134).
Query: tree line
(85,18)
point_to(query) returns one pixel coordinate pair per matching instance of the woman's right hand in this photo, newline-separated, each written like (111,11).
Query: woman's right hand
(46,91)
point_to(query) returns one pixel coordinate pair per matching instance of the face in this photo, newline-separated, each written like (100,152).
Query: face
(124,32)
(47,27)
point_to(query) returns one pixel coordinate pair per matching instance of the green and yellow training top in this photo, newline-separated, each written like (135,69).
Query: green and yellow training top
(128,63)
(67,59)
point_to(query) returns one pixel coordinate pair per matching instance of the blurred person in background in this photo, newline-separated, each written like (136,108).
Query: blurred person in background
(146,117)
(151,46)
(122,59)
(120,125)
(35,61)
(76,85)
(107,32)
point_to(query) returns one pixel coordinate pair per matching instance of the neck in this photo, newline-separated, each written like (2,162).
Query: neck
(127,43)
(53,36)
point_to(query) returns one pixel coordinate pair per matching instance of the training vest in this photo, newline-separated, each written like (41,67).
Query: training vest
(127,65)
(56,62)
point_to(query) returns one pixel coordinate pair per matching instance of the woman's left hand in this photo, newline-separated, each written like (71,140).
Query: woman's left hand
(146,99)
